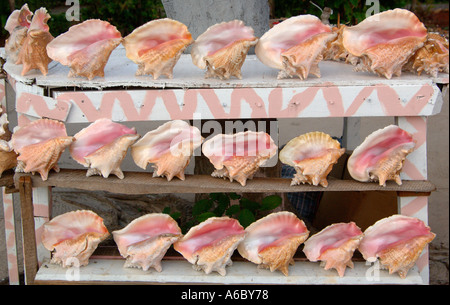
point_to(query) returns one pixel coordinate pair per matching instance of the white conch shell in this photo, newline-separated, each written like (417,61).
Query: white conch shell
(312,155)
(240,155)
(145,240)
(334,246)
(380,157)
(209,245)
(295,46)
(272,241)
(102,146)
(33,52)
(384,42)
(85,47)
(73,237)
(222,49)
(157,45)
(39,145)
(169,148)
(397,241)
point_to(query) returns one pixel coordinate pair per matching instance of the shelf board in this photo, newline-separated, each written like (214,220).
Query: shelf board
(144,183)
(180,271)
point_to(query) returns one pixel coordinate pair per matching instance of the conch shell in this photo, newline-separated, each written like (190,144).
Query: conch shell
(33,53)
(380,157)
(272,241)
(39,145)
(8,158)
(397,241)
(334,246)
(240,155)
(85,47)
(157,45)
(384,42)
(102,146)
(222,49)
(431,58)
(169,148)
(313,156)
(295,46)
(209,245)
(145,241)
(73,237)
(17,25)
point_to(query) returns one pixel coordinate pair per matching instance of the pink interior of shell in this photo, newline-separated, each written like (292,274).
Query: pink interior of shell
(209,234)
(388,35)
(39,21)
(37,132)
(300,37)
(151,42)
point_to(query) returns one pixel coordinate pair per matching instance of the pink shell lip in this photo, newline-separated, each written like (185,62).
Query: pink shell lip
(17,18)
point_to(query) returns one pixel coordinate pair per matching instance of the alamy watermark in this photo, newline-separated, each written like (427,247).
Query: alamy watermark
(73,13)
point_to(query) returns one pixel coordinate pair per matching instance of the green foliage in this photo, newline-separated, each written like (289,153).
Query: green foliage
(219,204)
(350,11)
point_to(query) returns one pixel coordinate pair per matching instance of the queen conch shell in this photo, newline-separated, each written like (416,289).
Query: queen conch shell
(39,145)
(397,241)
(73,237)
(240,155)
(384,42)
(85,47)
(169,148)
(145,241)
(8,158)
(157,45)
(380,157)
(334,246)
(222,49)
(295,46)
(17,25)
(312,155)
(102,146)
(33,53)
(432,58)
(272,241)
(209,245)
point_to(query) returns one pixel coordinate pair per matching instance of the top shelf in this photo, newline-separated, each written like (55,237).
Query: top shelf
(120,72)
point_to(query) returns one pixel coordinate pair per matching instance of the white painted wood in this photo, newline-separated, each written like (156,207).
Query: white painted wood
(120,72)
(174,271)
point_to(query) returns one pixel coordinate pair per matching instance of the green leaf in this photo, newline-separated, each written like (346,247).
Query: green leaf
(246,217)
(201,206)
(220,209)
(232,210)
(166,210)
(175,215)
(234,196)
(249,204)
(202,217)
(270,202)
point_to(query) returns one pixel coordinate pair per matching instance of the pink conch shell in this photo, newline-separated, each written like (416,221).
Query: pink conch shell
(169,148)
(102,146)
(312,155)
(272,241)
(85,47)
(380,157)
(17,25)
(39,145)
(295,46)
(8,158)
(334,246)
(384,42)
(146,239)
(397,241)
(240,155)
(222,49)
(157,45)
(33,53)
(431,58)
(73,237)
(209,245)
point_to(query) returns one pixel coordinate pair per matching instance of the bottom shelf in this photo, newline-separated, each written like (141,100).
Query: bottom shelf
(111,271)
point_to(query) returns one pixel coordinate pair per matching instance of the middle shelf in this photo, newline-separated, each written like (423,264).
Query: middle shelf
(144,183)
